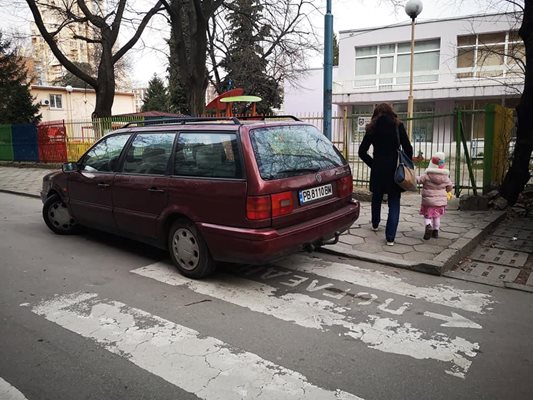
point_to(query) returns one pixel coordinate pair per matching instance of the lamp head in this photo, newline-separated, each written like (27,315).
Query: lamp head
(69,88)
(413,8)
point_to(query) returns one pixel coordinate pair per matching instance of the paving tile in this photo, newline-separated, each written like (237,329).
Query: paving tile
(490,271)
(428,248)
(451,229)
(351,239)
(509,258)
(398,249)
(530,280)
(408,241)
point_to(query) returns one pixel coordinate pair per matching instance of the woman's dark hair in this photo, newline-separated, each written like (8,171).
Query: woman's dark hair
(381,110)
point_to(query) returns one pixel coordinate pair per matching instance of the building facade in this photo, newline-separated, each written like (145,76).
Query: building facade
(464,63)
(76,105)
(459,63)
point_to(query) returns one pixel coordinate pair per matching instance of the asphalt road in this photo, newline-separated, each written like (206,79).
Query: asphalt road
(94,316)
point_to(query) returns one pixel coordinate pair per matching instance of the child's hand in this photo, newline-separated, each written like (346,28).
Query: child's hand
(449,195)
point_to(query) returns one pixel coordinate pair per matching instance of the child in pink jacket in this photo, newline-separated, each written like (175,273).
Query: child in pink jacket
(436,185)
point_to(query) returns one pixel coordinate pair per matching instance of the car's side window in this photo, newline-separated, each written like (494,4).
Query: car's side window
(149,153)
(105,155)
(214,155)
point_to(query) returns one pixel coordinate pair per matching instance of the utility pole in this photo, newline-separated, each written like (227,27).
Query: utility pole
(328,69)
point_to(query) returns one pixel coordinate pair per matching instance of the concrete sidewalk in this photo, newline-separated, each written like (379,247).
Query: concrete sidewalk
(461,231)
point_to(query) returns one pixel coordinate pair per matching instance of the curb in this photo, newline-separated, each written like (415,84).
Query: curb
(28,164)
(471,243)
(443,262)
(35,196)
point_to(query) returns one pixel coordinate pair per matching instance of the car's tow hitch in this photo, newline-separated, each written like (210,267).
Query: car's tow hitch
(310,247)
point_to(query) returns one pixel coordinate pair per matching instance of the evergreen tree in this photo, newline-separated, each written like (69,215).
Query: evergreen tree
(16,101)
(156,97)
(245,63)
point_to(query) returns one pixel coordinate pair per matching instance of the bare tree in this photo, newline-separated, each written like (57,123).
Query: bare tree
(189,21)
(95,23)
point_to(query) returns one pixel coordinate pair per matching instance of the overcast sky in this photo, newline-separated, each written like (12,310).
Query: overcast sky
(149,56)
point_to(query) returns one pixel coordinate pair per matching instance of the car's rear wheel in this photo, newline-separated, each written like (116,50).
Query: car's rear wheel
(189,251)
(57,216)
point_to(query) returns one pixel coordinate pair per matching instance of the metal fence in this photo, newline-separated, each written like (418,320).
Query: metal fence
(478,143)
(461,135)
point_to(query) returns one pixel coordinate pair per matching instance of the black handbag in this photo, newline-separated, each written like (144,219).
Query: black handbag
(405,175)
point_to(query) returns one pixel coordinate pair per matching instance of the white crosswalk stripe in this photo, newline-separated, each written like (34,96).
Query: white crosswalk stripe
(204,366)
(8,392)
(380,333)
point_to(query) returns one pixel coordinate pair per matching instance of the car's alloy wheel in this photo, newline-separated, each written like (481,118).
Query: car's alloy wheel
(189,251)
(57,216)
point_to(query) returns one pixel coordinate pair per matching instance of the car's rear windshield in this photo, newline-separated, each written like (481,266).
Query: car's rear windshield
(284,151)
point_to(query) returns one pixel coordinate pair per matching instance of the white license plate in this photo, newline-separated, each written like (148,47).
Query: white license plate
(315,193)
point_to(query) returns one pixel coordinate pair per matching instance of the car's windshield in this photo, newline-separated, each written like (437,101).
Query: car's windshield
(283,151)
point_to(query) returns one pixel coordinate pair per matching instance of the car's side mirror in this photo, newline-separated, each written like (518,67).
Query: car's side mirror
(70,167)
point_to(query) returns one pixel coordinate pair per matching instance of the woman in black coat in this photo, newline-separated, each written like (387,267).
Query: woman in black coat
(385,133)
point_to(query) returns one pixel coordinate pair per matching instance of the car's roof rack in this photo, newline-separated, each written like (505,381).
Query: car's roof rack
(182,120)
(263,117)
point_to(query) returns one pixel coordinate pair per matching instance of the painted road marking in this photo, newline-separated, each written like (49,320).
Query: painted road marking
(455,321)
(8,392)
(468,300)
(204,366)
(384,334)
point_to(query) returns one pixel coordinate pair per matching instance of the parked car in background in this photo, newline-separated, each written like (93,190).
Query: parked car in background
(208,190)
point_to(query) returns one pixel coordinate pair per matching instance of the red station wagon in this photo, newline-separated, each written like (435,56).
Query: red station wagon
(234,190)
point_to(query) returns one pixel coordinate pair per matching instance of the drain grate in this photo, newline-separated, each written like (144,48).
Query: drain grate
(509,244)
(490,271)
(507,258)
(514,232)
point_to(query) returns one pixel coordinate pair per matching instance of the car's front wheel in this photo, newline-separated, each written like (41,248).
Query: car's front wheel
(189,251)
(57,216)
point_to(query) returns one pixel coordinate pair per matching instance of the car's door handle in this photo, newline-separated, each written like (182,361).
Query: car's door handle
(103,185)
(156,190)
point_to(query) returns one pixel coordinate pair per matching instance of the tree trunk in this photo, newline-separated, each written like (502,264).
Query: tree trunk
(105,90)
(518,175)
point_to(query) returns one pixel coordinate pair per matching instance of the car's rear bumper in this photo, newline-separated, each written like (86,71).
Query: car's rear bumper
(259,246)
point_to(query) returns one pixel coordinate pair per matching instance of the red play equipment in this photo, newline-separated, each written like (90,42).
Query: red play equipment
(224,102)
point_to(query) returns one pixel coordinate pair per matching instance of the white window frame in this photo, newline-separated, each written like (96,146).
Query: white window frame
(376,78)
(476,69)
(53,101)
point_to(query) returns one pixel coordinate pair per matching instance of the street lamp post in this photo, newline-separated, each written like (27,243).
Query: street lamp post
(69,90)
(328,69)
(412,8)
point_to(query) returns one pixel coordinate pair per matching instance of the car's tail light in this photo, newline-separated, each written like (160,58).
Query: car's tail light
(345,186)
(258,207)
(275,205)
(282,204)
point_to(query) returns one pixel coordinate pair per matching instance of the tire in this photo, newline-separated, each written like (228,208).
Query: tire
(189,251)
(57,216)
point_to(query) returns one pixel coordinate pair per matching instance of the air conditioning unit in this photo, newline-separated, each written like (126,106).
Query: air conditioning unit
(45,102)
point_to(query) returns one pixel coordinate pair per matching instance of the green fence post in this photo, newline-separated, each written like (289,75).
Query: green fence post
(458,185)
(488,146)
(468,160)
(6,143)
